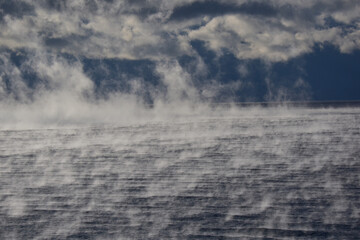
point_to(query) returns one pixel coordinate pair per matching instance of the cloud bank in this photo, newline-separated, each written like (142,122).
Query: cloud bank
(157,52)
(274,30)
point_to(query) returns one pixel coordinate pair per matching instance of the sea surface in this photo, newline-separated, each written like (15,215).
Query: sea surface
(256,173)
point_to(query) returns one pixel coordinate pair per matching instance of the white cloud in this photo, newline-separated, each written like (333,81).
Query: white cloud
(137,30)
(277,40)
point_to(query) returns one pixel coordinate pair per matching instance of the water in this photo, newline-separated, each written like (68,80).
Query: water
(264,173)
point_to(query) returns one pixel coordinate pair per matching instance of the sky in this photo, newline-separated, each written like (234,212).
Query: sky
(70,52)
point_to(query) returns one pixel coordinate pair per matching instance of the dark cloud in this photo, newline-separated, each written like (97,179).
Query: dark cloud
(333,6)
(57,5)
(258,8)
(261,8)
(214,8)
(332,75)
(56,42)
(141,8)
(19,79)
(15,8)
(310,13)
(91,5)
(136,2)
(63,5)
(116,75)
(141,12)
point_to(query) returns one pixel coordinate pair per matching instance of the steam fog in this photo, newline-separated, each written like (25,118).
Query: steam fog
(251,173)
(136,119)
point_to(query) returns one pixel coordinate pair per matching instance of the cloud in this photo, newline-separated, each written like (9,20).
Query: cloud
(216,8)
(25,78)
(292,32)
(249,38)
(15,8)
(59,37)
(11,82)
(55,42)
(161,29)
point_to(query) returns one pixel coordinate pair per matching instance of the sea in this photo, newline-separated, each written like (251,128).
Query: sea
(256,172)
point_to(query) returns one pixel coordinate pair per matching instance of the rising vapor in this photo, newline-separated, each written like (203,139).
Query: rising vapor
(136,119)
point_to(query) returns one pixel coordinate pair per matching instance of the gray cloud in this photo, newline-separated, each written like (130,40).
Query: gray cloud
(216,8)
(58,5)
(15,8)
(162,32)
(56,42)
(271,30)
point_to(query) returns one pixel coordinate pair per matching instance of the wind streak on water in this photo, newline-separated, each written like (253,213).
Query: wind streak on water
(256,174)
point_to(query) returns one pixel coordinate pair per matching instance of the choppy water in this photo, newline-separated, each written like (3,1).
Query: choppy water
(274,174)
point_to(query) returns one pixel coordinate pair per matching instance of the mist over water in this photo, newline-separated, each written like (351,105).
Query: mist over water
(79,160)
(136,119)
(181,173)
(123,157)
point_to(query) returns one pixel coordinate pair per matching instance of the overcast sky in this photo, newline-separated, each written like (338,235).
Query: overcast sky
(225,50)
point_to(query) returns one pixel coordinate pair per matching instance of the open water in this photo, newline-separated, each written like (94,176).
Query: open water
(258,173)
